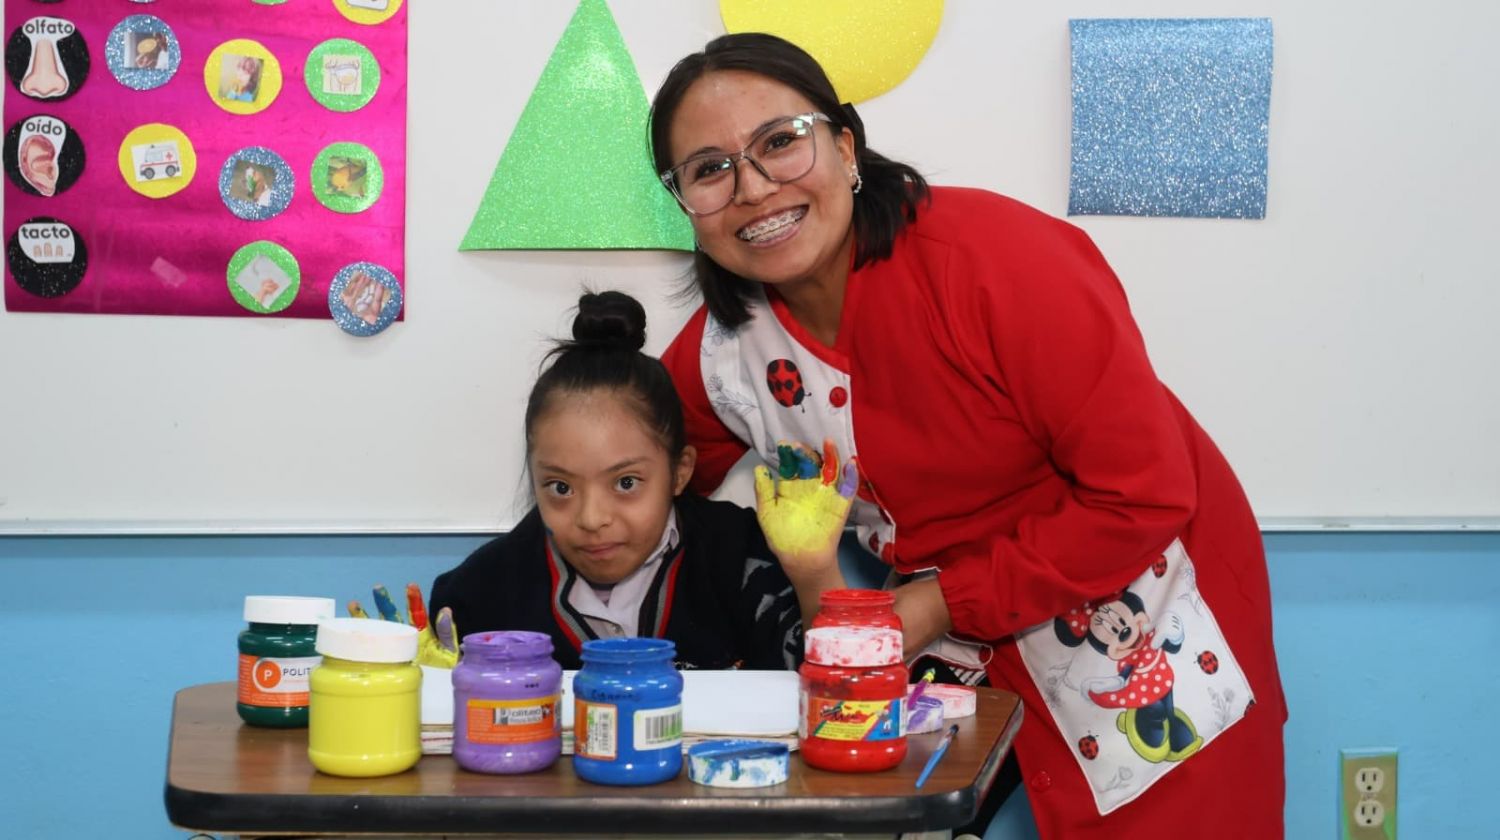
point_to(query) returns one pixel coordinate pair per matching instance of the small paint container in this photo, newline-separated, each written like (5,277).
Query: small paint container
(627,719)
(854,687)
(959,701)
(365,711)
(506,691)
(277,653)
(738,763)
(925,715)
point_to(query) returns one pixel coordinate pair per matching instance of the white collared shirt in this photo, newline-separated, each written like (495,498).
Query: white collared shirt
(621,616)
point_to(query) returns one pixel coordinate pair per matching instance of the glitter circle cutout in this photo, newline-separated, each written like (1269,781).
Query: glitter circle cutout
(47,59)
(256,184)
(368,12)
(157,160)
(342,75)
(142,52)
(364,298)
(264,277)
(242,76)
(43,155)
(347,178)
(47,257)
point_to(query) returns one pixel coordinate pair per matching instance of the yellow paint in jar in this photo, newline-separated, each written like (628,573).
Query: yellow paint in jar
(365,708)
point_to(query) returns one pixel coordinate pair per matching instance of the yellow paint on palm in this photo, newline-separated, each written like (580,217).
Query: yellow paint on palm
(867,47)
(799,516)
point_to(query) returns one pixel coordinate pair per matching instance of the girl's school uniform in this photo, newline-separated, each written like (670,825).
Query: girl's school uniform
(713,587)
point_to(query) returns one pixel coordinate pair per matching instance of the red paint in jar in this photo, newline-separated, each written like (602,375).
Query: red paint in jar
(853,717)
(857,608)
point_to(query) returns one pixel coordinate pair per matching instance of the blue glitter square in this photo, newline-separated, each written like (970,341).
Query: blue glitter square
(1170,117)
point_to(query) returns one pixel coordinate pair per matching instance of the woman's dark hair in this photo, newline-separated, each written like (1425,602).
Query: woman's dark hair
(605,353)
(886,203)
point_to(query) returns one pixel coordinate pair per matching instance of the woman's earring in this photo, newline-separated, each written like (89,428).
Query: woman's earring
(859,181)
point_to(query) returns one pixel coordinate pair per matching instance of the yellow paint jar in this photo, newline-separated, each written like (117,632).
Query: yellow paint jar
(365,709)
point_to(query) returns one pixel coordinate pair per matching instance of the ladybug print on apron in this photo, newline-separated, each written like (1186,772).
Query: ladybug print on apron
(785,382)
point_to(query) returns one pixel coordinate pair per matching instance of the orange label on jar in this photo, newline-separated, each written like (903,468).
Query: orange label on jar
(596,730)
(852,720)
(275,682)
(513,721)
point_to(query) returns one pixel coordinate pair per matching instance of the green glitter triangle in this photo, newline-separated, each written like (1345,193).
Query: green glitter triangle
(576,173)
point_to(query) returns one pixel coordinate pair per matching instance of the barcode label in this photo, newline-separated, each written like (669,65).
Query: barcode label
(658,728)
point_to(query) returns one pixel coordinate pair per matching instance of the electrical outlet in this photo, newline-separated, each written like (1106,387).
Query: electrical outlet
(1367,794)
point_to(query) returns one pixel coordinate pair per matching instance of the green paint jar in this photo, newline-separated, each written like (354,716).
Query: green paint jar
(277,655)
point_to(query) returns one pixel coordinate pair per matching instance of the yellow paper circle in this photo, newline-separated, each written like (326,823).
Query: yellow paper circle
(368,12)
(157,160)
(231,82)
(867,47)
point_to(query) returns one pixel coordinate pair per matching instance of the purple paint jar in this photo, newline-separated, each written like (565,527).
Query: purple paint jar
(506,690)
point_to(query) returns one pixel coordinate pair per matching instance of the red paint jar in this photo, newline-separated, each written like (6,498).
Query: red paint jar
(857,608)
(853,716)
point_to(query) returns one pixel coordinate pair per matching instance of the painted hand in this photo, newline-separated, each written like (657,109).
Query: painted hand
(803,513)
(437,643)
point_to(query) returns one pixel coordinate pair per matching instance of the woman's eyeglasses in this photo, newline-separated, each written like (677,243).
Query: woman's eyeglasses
(781,152)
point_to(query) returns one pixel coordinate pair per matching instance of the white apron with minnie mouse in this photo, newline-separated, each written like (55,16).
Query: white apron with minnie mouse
(1138,681)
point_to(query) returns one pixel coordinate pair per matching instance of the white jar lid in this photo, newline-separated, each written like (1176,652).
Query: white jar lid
(287,609)
(367,640)
(859,647)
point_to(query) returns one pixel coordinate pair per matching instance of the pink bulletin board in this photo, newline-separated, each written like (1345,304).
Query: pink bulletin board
(172,255)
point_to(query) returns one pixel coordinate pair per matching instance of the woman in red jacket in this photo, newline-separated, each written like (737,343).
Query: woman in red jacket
(1060,520)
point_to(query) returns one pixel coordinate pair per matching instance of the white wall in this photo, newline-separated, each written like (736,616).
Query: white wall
(1340,351)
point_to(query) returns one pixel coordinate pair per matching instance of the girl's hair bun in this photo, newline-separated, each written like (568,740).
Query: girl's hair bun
(610,320)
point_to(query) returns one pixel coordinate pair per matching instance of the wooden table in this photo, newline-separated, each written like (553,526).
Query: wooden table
(223,776)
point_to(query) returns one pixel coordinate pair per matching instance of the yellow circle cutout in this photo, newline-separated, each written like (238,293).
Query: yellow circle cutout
(866,47)
(368,12)
(242,76)
(157,160)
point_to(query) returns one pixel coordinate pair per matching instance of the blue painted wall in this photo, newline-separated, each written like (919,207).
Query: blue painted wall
(1384,640)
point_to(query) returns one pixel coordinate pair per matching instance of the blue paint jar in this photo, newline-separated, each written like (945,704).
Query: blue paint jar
(627,720)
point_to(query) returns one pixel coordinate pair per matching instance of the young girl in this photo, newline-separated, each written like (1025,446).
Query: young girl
(613,547)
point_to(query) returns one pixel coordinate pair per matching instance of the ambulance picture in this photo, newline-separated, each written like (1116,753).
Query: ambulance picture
(154,159)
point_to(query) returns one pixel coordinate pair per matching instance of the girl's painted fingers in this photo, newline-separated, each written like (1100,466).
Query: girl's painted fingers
(830,461)
(797,460)
(850,482)
(414,606)
(787,468)
(447,634)
(384,603)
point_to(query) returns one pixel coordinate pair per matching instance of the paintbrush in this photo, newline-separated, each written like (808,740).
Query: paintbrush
(937,754)
(922,684)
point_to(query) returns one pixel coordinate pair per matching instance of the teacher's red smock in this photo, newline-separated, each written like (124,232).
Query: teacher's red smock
(1014,436)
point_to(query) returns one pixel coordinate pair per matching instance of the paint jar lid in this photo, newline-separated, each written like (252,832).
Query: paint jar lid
(367,640)
(507,645)
(287,609)
(738,763)
(859,647)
